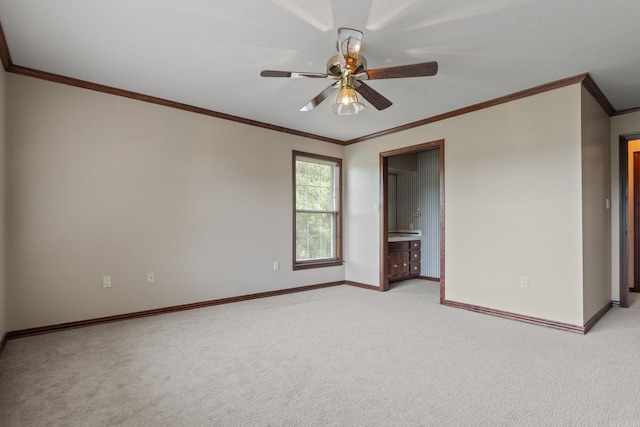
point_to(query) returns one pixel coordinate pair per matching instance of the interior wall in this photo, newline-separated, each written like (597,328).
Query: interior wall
(3,274)
(596,215)
(625,124)
(513,205)
(100,185)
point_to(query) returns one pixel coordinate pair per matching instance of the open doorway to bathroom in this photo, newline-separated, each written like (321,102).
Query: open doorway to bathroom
(629,216)
(424,213)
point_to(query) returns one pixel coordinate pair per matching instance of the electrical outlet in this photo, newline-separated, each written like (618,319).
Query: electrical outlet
(276,265)
(151,278)
(524,282)
(106,281)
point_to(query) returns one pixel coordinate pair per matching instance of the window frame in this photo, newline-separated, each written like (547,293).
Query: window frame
(337,259)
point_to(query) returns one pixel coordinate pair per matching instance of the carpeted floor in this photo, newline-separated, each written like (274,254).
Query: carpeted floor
(340,356)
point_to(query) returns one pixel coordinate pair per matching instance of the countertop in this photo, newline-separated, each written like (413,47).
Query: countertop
(400,238)
(401,235)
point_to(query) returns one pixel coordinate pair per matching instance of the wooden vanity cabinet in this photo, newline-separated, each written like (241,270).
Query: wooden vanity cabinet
(404,260)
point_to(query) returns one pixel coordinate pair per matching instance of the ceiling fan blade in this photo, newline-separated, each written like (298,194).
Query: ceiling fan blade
(414,70)
(349,42)
(321,97)
(296,74)
(371,95)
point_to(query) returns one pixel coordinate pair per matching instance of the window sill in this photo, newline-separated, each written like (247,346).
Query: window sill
(317,264)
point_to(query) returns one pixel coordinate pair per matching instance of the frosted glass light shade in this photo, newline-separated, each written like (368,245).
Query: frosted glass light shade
(347,102)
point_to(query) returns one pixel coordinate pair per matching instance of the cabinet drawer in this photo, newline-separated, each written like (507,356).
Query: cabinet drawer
(414,269)
(414,244)
(399,246)
(415,256)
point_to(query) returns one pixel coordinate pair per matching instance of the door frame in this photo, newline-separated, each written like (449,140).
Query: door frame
(636,222)
(384,208)
(623,173)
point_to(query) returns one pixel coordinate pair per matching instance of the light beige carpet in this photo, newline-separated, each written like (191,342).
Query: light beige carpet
(340,356)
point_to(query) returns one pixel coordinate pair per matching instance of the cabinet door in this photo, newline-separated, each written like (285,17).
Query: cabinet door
(403,263)
(394,270)
(391,270)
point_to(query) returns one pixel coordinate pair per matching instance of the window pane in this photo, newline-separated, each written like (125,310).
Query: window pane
(317,201)
(314,186)
(313,197)
(314,236)
(325,199)
(301,172)
(301,197)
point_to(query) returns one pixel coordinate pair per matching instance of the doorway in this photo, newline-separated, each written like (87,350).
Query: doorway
(634,176)
(629,256)
(384,211)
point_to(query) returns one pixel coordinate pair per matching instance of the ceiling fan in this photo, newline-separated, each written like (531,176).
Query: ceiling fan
(349,69)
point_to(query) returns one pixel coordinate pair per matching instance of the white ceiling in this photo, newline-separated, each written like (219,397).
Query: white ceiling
(209,54)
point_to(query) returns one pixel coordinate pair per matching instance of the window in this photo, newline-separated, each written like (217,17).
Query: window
(317,240)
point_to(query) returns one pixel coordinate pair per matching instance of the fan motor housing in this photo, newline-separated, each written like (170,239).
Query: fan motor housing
(333,65)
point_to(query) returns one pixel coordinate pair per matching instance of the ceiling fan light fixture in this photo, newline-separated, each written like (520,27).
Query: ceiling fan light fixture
(347,102)
(350,71)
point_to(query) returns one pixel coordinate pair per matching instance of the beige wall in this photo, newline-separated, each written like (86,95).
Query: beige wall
(513,205)
(620,125)
(3,299)
(596,215)
(103,185)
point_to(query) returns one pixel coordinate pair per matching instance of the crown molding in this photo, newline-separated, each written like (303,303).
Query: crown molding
(585,79)
(595,91)
(159,101)
(10,67)
(626,111)
(5,56)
